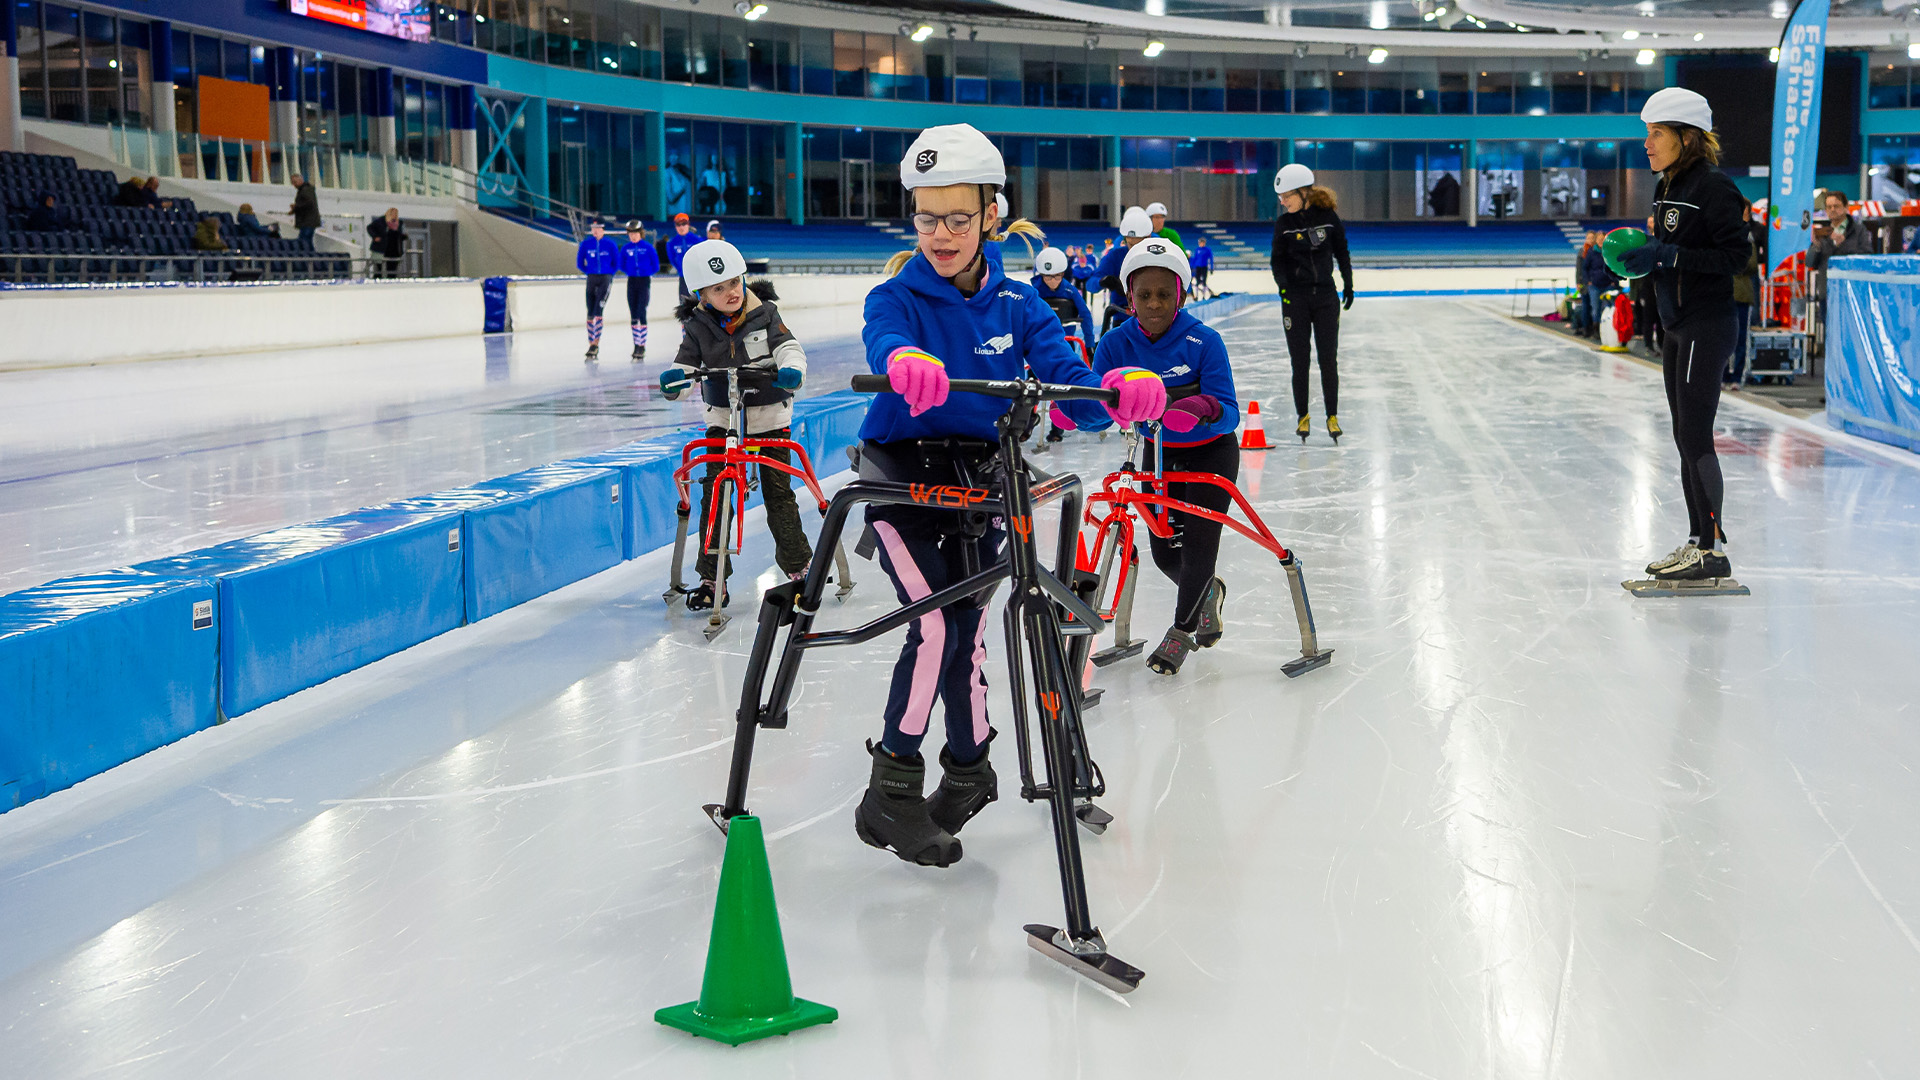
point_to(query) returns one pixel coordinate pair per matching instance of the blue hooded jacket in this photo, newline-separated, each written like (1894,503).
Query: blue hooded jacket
(998,333)
(600,256)
(1189,353)
(677,246)
(639,260)
(1066,291)
(1110,268)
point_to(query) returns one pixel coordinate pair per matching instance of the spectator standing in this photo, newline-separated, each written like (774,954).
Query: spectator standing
(713,230)
(1600,281)
(1157,215)
(387,239)
(683,238)
(1582,314)
(639,262)
(1841,235)
(305,208)
(1746,293)
(598,258)
(1202,265)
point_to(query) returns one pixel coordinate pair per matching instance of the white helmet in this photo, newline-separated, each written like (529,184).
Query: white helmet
(1678,105)
(1156,208)
(1155,251)
(1000,204)
(711,262)
(1292,178)
(1135,222)
(951,154)
(1051,260)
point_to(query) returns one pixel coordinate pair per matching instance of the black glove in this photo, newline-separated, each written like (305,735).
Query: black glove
(1649,257)
(1346,299)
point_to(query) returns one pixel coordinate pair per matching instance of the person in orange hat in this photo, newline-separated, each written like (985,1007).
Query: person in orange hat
(683,238)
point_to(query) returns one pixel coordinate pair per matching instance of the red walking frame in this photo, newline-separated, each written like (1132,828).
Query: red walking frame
(1128,494)
(724,531)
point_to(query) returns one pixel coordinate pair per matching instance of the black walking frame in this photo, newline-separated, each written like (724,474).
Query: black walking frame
(1042,611)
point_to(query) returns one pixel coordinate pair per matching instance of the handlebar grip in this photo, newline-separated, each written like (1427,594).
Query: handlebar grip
(872,384)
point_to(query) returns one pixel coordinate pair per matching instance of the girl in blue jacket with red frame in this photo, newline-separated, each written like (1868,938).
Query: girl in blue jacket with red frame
(948,312)
(1197,436)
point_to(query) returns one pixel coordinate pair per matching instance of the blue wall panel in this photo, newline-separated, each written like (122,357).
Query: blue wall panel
(539,530)
(99,669)
(303,604)
(1873,347)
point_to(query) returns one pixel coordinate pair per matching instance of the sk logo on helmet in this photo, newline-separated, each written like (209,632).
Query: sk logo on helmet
(716,264)
(926,160)
(1156,249)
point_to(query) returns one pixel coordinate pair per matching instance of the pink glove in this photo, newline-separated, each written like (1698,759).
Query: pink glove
(919,378)
(1060,418)
(1190,412)
(1142,395)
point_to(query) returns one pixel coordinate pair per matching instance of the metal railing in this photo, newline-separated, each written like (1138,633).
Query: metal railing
(186,156)
(42,268)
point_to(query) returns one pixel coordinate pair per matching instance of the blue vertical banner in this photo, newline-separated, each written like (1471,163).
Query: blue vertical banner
(1796,128)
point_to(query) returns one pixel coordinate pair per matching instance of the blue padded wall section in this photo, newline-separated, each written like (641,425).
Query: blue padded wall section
(648,499)
(1873,347)
(542,529)
(303,604)
(97,670)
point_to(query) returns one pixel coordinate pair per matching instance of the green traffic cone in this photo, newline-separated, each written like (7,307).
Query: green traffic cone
(746,994)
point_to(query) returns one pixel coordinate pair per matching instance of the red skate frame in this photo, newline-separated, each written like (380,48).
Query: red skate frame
(736,456)
(1124,498)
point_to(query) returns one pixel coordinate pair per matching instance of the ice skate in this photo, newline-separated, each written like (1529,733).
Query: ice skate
(893,815)
(1671,558)
(593,352)
(964,790)
(1697,573)
(1303,428)
(639,353)
(1212,626)
(1333,427)
(701,598)
(1173,651)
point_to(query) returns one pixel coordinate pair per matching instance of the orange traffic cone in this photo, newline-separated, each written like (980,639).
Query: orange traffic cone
(1255,435)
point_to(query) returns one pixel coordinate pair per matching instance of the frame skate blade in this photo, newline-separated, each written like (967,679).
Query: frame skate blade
(1118,653)
(1104,968)
(719,815)
(1306,662)
(1092,818)
(1091,696)
(715,625)
(1649,587)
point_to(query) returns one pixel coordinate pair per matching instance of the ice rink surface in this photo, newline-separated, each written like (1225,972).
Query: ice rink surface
(1524,825)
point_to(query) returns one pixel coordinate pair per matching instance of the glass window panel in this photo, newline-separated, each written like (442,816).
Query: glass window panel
(32,59)
(734,61)
(1243,89)
(1532,88)
(65,98)
(1003,75)
(849,63)
(879,65)
(1569,86)
(1349,89)
(1383,89)
(1136,86)
(1174,81)
(1070,77)
(1036,77)
(704,60)
(1275,95)
(1312,85)
(1208,89)
(939,54)
(1887,84)
(1103,84)
(909,70)
(816,61)
(1493,89)
(1608,92)
(1420,85)
(102,75)
(135,71)
(676,47)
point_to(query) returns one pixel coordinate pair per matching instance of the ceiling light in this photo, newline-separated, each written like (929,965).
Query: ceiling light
(1093,41)
(1644,58)
(1377,15)
(1630,35)
(923,32)
(1377,56)
(1153,49)
(1300,51)
(1773,55)
(1913,51)
(1699,37)
(754,12)
(1156,8)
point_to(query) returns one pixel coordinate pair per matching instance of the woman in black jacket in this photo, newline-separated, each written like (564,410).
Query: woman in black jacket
(1699,243)
(1308,239)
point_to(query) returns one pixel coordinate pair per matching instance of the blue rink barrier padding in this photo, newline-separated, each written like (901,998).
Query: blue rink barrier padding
(303,604)
(99,669)
(1873,347)
(542,529)
(1222,306)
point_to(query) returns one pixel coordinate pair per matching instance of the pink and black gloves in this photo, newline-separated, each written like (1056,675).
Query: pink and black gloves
(918,378)
(1142,395)
(1191,412)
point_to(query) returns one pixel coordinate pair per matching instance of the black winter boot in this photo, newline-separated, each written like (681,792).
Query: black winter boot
(964,790)
(893,815)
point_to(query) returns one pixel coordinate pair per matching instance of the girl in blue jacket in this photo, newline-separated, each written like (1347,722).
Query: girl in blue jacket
(639,262)
(598,258)
(950,313)
(1197,436)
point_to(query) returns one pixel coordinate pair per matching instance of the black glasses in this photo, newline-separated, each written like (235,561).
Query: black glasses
(959,223)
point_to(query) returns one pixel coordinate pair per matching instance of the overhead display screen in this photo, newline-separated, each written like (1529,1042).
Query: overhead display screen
(405,19)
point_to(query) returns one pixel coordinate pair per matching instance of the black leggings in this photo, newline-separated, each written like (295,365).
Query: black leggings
(598,286)
(1692,361)
(1316,313)
(1188,556)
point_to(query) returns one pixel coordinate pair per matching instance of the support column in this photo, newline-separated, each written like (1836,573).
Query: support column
(1472,169)
(1113,177)
(534,163)
(656,151)
(11,135)
(384,141)
(796,174)
(160,52)
(283,95)
(466,137)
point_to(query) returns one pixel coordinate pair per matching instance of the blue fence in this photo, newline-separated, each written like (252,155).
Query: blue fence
(1873,347)
(99,669)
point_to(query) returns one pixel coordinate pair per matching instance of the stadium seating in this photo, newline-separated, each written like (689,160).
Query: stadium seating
(121,243)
